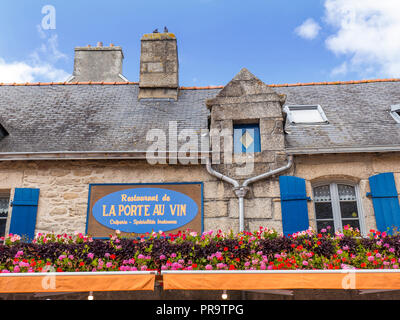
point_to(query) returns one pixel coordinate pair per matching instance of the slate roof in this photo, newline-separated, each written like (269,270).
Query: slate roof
(358,115)
(91,117)
(108,117)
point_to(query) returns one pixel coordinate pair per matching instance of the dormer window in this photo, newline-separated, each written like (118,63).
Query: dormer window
(305,114)
(395,112)
(246,138)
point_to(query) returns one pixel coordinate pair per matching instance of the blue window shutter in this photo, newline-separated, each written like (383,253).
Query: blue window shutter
(24,211)
(294,204)
(385,201)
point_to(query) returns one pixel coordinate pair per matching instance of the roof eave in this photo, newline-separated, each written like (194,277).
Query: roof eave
(365,149)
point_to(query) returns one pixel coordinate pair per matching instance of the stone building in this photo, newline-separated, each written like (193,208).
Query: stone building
(292,155)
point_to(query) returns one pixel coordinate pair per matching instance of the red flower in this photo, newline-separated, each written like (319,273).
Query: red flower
(81,264)
(59,270)
(318,243)
(226,249)
(236,247)
(112,256)
(363,265)
(232,267)
(319,235)
(194,265)
(237,259)
(292,245)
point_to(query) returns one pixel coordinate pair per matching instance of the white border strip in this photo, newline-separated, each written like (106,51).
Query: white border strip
(280,271)
(87,273)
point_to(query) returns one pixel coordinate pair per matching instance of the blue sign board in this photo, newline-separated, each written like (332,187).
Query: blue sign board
(138,209)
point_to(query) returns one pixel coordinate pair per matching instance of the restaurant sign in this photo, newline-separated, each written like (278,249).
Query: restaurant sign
(135,209)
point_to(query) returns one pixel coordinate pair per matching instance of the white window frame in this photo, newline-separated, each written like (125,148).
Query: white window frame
(289,108)
(337,218)
(6,195)
(394,112)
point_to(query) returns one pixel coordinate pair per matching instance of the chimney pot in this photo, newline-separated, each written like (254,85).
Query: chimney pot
(99,44)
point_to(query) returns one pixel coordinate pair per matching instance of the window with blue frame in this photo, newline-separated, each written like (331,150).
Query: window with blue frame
(246,138)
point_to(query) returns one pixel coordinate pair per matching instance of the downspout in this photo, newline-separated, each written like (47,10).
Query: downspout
(241,190)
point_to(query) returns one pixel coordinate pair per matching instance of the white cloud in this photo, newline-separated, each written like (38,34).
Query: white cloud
(340,70)
(367,36)
(39,66)
(309,29)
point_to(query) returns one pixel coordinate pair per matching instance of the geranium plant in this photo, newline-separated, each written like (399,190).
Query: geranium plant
(263,249)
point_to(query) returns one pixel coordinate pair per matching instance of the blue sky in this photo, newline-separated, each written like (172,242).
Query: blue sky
(282,41)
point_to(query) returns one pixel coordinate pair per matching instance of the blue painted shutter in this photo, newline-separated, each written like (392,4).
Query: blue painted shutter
(385,201)
(294,204)
(24,211)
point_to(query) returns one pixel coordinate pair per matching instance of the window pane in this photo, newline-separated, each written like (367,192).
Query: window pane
(348,209)
(325,225)
(347,193)
(2,227)
(246,138)
(4,207)
(352,223)
(323,210)
(322,194)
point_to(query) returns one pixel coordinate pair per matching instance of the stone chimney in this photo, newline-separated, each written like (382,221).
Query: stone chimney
(159,66)
(98,64)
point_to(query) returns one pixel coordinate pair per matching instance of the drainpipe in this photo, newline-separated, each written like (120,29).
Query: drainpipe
(241,190)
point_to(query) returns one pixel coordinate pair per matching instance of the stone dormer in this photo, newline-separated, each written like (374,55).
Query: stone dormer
(247,100)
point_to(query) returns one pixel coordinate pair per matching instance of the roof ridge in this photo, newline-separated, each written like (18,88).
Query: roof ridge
(299,84)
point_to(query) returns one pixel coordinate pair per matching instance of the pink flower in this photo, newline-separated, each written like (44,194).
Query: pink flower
(305,263)
(371,258)
(162,257)
(90,255)
(339,251)
(209,267)
(173,255)
(143,268)
(109,264)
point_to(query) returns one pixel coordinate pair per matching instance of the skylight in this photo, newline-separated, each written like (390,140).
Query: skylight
(395,112)
(305,114)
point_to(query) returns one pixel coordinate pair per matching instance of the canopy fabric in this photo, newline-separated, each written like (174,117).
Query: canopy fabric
(76,282)
(341,279)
